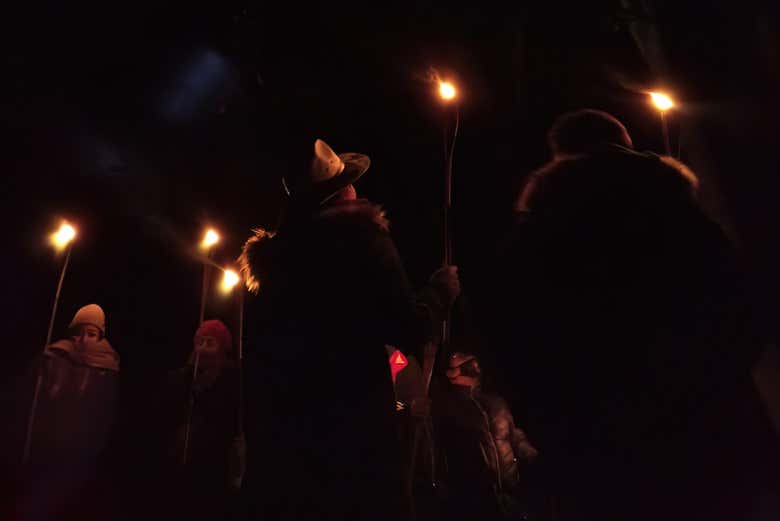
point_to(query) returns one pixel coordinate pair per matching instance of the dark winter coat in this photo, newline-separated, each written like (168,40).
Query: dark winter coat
(74,418)
(213,423)
(487,454)
(201,487)
(332,293)
(76,404)
(623,334)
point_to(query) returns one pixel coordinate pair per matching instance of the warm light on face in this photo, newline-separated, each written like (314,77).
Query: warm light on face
(62,237)
(229,281)
(86,335)
(210,239)
(661,101)
(446,90)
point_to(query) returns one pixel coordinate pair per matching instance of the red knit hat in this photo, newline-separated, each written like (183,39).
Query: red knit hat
(218,330)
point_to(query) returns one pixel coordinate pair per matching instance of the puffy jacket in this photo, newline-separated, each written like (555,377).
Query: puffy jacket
(484,450)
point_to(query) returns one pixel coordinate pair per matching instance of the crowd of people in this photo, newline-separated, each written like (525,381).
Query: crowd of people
(604,374)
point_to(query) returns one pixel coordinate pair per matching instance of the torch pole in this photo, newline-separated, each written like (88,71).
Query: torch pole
(191,395)
(424,428)
(190,407)
(57,295)
(204,288)
(449,149)
(39,377)
(240,420)
(665,130)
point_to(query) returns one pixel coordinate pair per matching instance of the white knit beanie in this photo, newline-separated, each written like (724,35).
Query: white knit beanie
(90,314)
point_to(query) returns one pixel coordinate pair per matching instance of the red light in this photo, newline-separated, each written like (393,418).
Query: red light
(397,363)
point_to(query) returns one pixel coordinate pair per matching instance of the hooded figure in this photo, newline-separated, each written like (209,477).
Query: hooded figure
(626,324)
(76,410)
(77,400)
(332,293)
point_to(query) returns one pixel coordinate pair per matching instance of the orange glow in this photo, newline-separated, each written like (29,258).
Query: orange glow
(62,237)
(447,90)
(229,281)
(210,239)
(661,101)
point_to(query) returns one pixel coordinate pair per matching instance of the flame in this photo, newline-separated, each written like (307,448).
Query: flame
(210,239)
(661,101)
(62,237)
(447,90)
(229,281)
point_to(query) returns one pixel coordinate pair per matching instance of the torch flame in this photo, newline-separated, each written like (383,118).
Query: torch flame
(62,237)
(210,239)
(229,281)
(447,90)
(661,101)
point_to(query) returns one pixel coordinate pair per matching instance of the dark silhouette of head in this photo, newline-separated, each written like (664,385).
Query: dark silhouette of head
(579,132)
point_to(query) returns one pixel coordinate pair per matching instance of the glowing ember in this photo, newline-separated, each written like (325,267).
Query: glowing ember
(446,90)
(62,237)
(210,239)
(661,101)
(229,281)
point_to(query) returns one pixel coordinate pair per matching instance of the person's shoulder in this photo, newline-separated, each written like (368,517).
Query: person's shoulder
(557,167)
(64,345)
(359,213)
(59,351)
(647,158)
(656,175)
(681,172)
(664,176)
(543,180)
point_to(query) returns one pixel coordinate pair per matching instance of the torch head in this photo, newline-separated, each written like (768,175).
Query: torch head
(661,101)
(447,91)
(63,236)
(229,281)
(210,238)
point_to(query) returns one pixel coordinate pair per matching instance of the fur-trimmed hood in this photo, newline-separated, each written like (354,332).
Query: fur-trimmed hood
(605,176)
(260,249)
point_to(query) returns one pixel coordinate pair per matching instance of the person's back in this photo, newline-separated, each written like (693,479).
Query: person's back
(626,329)
(332,293)
(323,366)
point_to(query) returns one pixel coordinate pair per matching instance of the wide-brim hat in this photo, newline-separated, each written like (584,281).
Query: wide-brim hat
(329,173)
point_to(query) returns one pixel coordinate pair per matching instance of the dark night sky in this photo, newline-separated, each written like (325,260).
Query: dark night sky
(141,125)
